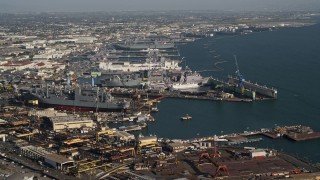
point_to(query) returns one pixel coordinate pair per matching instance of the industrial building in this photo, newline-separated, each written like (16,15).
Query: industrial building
(3,137)
(147,140)
(2,122)
(124,135)
(258,153)
(178,146)
(34,152)
(58,161)
(70,122)
(50,112)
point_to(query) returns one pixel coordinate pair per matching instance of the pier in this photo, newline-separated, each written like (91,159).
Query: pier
(296,133)
(303,137)
(173,94)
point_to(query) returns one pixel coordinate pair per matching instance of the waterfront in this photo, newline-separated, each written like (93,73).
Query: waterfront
(285,59)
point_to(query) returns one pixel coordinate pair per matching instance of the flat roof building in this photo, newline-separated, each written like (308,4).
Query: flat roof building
(70,122)
(57,161)
(147,140)
(50,112)
(34,152)
(124,135)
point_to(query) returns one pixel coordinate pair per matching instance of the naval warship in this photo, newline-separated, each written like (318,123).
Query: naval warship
(140,45)
(85,98)
(189,80)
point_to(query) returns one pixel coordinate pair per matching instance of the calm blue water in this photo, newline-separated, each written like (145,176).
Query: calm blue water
(287,59)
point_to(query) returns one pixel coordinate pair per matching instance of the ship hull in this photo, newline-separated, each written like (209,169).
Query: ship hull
(140,47)
(75,105)
(232,88)
(262,90)
(79,108)
(241,91)
(126,83)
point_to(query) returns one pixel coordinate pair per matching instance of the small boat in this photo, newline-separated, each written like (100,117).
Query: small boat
(154,109)
(186,117)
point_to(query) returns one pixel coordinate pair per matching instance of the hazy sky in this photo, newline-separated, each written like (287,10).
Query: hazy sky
(146,5)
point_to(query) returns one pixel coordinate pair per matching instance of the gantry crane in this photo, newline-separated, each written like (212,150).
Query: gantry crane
(107,132)
(220,168)
(74,141)
(239,75)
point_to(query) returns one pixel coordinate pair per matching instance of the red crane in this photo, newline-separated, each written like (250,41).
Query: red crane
(220,168)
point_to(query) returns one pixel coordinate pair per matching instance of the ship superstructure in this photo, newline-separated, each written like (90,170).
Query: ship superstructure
(128,80)
(85,98)
(189,80)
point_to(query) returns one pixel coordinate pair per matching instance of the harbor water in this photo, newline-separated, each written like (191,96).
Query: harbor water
(286,59)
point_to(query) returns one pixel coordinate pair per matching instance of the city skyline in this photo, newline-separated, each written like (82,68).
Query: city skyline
(153,5)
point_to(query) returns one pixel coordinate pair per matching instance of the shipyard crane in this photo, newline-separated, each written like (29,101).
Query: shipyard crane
(241,79)
(221,169)
(85,166)
(150,102)
(108,132)
(26,135)
(74,141)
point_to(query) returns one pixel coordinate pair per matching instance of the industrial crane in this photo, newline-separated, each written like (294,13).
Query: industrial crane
(220,168)
(241,79)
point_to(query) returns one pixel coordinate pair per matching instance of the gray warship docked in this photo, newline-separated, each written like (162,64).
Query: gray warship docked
(86,98)
(140,45)
(121,80)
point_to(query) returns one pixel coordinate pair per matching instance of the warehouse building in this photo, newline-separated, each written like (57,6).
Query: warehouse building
(70,122)
(124,135)
(33,152)
(58,161)
(50,112)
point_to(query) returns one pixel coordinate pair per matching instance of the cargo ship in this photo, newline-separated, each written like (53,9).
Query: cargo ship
(86,98)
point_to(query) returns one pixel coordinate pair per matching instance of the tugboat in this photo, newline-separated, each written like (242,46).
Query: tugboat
(186,117)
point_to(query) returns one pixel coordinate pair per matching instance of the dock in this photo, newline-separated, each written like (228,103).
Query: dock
(180,96)
(295,132)
(303,136)
(270,135)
